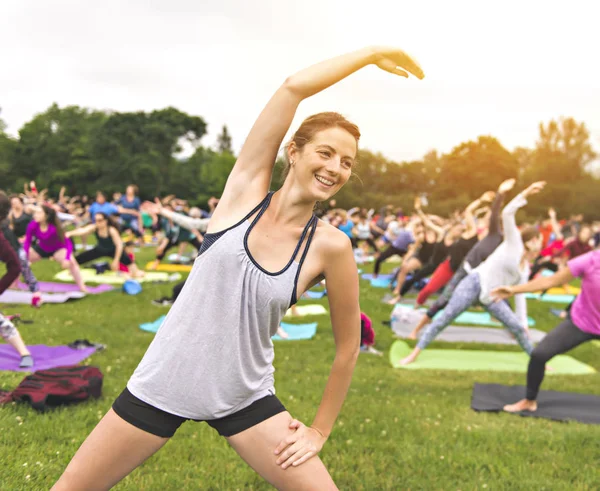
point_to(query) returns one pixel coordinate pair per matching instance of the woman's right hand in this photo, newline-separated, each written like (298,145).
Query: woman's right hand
(396,61)
(501,293)
(535,188)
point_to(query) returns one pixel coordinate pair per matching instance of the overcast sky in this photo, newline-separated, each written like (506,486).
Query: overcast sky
(494,68)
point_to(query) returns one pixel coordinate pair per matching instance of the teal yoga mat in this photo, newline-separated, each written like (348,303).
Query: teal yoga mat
(551,297)
(297,332)
(471,360)
(153,326)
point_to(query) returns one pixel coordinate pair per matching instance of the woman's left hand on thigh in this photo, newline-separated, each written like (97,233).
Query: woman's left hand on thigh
(304,443)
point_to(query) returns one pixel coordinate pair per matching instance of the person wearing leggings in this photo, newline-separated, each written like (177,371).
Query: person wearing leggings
(479,253)
(581,325)
(508,264)
(108,244)
(8,256)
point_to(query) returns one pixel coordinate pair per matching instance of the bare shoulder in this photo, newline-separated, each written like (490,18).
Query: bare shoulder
(331,240)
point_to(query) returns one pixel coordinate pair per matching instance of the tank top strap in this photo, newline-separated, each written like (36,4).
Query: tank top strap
(262,206)
(312,226)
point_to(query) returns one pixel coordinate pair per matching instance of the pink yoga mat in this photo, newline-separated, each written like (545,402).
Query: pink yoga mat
(52,287)
(44,357)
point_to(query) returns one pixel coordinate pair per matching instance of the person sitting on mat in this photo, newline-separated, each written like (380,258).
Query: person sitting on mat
(8,256)
(109,244)
(508,264)
(581,325)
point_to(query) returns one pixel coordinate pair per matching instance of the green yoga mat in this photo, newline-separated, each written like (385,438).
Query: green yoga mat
(497,361)
(90,276)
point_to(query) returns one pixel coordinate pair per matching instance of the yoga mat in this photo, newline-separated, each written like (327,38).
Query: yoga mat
(44,357)
(89,275)
(52,287)
(315,294)
(153,326)
(551,297)
(20,297)
(369,276)
(480,319)
(381,282)
(296,332)
(308,310)
(497,361)
(177,259)
(464,334)
(171,268)
(558,406)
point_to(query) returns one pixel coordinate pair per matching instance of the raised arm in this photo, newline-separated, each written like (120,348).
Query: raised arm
(503,189)
(78,232)
(439,231)
(470,222)
(509,222)
(250,178)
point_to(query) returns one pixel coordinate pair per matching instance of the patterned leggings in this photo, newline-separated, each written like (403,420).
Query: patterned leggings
(7,328)
(466,293)
(444,298)
(26,272)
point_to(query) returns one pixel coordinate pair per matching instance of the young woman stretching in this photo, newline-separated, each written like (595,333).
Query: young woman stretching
(212,359)
(108,244)
(479,253)
(51,242)
(509,264)
(581,325)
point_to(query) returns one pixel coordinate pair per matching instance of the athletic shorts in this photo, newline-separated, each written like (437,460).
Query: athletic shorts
(43,254)
(161,423)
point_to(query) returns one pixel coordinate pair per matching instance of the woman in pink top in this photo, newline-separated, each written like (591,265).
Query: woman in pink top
(581,325)
(51,242)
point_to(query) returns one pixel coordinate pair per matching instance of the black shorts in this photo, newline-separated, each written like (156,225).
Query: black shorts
(43,254)
(161,423)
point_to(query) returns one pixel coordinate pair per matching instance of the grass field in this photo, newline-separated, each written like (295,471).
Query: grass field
(399,429)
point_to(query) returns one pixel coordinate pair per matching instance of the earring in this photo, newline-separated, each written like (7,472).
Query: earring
(292,163)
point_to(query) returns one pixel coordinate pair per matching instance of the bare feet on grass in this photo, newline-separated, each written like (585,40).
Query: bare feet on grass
(522,405)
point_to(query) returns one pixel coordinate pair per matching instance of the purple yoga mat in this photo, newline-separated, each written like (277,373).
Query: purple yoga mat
(44,357)
(51,287)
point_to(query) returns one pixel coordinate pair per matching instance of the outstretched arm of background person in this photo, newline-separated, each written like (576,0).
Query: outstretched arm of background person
(562,277)
(439,231)
(471,224)
(118,242)
(78,232)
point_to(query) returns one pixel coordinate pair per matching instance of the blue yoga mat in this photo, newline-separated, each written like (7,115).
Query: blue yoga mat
(551,298)
(315,294)
(369,276)
(297,332)
(153,326)
(480,319)
(381,282)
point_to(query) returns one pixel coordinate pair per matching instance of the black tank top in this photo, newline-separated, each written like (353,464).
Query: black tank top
(105,242)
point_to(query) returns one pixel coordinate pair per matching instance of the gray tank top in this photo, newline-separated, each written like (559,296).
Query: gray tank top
(213,354)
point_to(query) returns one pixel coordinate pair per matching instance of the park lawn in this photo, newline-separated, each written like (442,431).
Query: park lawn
(399,429)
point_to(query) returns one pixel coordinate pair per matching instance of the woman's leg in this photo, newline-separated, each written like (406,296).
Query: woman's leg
(561,339)
(442,275)
(411,264)
(423,273)
(112,451)
(72,265)
(503,312)
(373,244)
(91,255)
(256,446)
(11,335)
(389,252)
(33,255)
(465,294)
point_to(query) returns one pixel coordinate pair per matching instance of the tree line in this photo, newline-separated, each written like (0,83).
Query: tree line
(86,150)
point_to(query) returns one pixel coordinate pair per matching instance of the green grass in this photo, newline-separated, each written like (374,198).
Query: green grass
(398,429)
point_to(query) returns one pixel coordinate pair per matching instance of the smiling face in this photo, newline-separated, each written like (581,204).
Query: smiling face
(325,163)
(16,205)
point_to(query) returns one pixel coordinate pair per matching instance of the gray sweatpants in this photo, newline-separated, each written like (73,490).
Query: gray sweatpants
(466,293)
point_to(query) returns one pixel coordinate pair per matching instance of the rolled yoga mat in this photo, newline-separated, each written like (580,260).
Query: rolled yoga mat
(297,332)
(52,287)
(171,268)
(44,357)
(20,297)
(468,360)
(308,310)
(558,406)
(89,275)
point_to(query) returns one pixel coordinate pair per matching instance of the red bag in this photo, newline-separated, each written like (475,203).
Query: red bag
(45,389)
